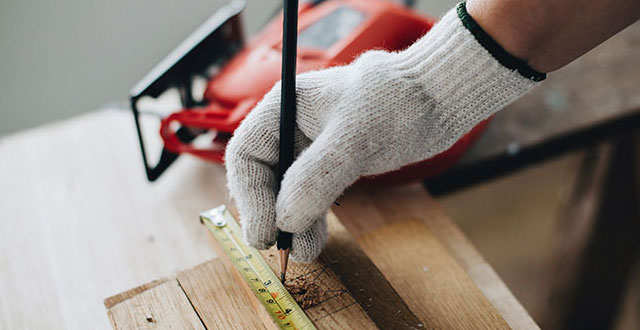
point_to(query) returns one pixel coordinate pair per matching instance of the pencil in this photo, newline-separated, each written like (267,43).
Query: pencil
(287,113)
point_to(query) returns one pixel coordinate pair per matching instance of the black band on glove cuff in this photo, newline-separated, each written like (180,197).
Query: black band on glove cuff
(507,60)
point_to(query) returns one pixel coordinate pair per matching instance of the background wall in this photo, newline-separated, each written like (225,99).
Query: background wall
(61,58)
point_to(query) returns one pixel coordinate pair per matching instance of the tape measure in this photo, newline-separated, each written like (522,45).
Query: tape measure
(271,293)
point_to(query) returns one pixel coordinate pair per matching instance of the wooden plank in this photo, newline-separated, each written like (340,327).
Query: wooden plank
(164,306)
(430,280)
(354,293)
(365,282)
(322,288)
(452,283)
(317,289)
(424,286)
(366,209)
(218,300)
(114,300)
(323,297)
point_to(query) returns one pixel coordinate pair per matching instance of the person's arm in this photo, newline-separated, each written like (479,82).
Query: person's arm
(550,34)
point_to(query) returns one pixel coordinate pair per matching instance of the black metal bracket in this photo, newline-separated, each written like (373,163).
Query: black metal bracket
(215,41)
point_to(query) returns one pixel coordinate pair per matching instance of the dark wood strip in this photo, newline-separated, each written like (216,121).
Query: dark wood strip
(366,283)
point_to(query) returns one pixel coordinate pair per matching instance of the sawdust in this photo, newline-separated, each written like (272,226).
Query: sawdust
(306,294)
(302,287)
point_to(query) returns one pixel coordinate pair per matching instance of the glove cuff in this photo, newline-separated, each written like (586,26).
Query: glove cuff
(500,54)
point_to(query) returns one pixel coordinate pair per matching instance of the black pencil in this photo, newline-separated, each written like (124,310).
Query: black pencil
(287,113)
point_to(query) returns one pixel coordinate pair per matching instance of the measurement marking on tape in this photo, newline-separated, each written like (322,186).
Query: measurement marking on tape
(266,286)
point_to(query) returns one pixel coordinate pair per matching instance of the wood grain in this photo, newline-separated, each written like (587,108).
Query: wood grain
(410,282)
(357,294)
(218,300)
(429,279)
(366,209)
(81,223)
(114,300)
(331,304)
(334,306)
(164,306)
(365,282)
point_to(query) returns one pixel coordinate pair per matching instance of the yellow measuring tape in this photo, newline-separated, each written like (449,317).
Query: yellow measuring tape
(284,310)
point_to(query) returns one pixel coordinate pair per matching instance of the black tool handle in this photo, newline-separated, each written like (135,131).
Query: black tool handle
(288,101)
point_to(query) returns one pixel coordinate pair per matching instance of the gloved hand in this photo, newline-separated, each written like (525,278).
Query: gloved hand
(383,111)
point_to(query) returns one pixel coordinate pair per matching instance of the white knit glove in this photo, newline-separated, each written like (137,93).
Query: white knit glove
(383,111)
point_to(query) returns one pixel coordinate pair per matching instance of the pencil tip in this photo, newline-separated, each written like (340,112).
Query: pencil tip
(284,260)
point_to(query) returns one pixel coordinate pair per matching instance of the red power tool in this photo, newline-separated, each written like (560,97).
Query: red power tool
(331,32)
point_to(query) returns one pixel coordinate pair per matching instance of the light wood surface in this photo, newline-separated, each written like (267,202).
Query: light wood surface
(150,307)
(411,273)
(352,293)
(208,293)
(81,223)
(114,300)
(164,306)
(318,289)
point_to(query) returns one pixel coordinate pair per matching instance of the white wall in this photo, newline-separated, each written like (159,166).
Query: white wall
(64,57)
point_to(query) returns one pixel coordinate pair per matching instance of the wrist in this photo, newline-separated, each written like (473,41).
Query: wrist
(550,34)
(512,53)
